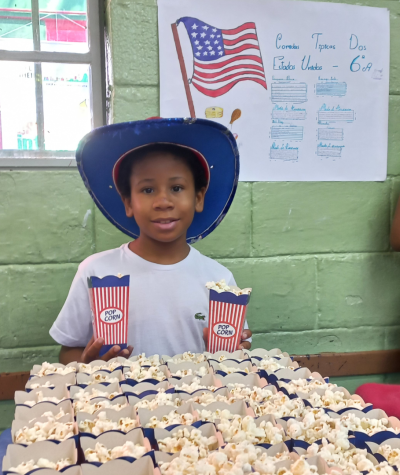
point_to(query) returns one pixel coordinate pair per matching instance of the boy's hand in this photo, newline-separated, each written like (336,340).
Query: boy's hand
(91,352)
(243,345)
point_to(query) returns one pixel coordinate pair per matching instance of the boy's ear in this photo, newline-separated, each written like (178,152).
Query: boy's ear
(128,207)
(200,200)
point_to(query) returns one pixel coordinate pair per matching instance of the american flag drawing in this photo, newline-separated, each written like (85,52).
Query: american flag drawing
(109,300)
(227,313)
(222,58)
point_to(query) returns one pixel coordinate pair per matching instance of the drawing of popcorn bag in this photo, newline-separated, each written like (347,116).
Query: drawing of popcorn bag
(109,302)
(227,313)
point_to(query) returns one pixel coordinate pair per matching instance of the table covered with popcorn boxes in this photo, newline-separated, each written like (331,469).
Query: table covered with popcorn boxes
(222,413)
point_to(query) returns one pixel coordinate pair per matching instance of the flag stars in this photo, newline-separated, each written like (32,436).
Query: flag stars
(194,35)
(198,53)
(219,47)
(209,48)
(199,47)
(194,26)
(216,42)
(214,30)
(196,42)
(205,27)
(202,35)
(212,53)
(220,53)
(218,36)
(212,36)
(205,53)
(206,42)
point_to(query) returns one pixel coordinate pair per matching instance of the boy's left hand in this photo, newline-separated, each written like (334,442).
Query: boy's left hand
(243,345)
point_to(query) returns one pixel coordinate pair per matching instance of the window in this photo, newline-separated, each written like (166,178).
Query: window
(51,79)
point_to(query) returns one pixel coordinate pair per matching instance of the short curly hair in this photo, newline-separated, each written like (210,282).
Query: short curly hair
(182,154)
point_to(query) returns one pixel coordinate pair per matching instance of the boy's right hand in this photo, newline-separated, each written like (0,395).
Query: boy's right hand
(92,350)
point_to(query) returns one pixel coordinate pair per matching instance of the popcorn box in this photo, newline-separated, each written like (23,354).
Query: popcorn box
(133,399)
(227,313)
(153,360)
(226,355)
(261,353)
(99,377)
(162,369)
(142,466)
(286,361)
(250,380)
(53,368)
(207,430)
(109,389)
(27,413)
(109,414)
(291,375)
(109,301)
(237,408)
(101,365)
(18,424)
(207,381)
(162,412)
(231,366)
(185,357)
(22,397)
(196,369)
(131,387)
(71,470)
(112,439)
(51,381)
(116,401)
(184,396)
(17,454)
(322,466)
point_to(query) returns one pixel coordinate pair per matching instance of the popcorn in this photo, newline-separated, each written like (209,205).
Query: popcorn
(48,430)
(25,467)
(186,438)
(390,454)
(85,395)
(202,371)
(101,424)
(222,286)
(334,401)
(169,419)
(194,386)
(212,416)
(91,408)
(305,385)
(240,429)
(40,398)
(271,364)
(59,414)
(89,369)
(101,454)
(351,460)
(207,398)
(255,394)
(48,368)
(161,399)
(144,360)
(188,356)
(47,384)
(139,373)
(279,405)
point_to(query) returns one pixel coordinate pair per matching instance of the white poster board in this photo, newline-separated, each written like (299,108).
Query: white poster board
(307,83)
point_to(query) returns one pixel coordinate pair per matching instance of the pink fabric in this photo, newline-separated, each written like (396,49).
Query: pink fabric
(382,396)
(64,30)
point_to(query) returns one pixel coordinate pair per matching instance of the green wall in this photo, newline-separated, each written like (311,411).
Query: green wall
(316,254)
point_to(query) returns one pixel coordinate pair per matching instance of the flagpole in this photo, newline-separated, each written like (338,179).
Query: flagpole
(183,70)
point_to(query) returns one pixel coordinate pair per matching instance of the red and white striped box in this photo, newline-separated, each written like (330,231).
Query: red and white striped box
(227,313)
(109,301)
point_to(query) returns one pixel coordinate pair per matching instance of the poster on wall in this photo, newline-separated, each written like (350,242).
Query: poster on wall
(303,86)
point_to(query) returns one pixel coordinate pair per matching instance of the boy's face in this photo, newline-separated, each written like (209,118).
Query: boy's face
(163,198)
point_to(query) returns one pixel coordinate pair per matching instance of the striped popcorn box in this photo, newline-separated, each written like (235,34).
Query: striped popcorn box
(109,301)
(227,313)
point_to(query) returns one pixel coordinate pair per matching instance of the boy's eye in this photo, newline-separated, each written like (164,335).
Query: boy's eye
(177,188)
(147,190)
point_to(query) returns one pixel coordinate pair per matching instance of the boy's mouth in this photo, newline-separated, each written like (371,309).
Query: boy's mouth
(165,224)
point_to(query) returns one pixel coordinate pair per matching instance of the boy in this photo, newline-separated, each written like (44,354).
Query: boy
(162,170)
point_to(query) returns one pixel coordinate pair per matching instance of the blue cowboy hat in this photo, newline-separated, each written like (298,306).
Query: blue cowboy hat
(100,153)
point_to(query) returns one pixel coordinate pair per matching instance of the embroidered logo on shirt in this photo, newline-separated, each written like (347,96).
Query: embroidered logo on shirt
(199,316)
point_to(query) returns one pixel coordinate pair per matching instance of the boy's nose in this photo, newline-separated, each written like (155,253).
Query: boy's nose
(162,202)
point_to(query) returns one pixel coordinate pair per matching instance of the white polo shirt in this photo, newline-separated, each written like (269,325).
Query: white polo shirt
(163,301)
